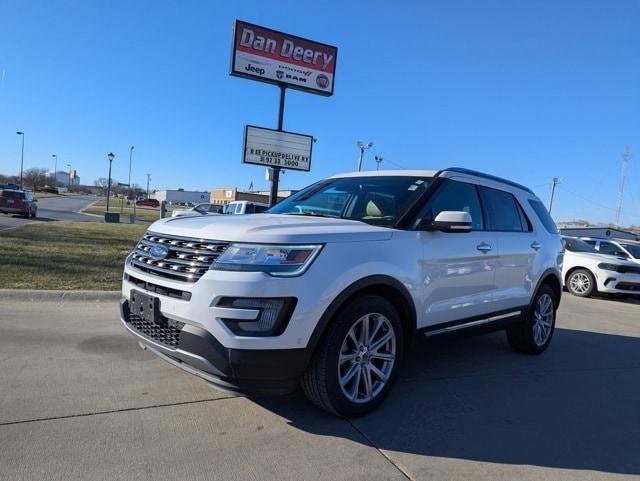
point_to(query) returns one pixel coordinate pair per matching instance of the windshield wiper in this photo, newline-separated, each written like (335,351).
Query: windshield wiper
(313,214)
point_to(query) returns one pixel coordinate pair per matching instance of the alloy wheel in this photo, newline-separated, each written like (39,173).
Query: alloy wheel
(580,283)
(367,356)
(543,319)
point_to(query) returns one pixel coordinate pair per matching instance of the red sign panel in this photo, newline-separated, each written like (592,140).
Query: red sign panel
(270,56)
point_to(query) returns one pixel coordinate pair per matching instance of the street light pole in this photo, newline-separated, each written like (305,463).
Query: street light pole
(55,170)
(110,157)
(148,180)
(378,162)
(362,148)
(69,177)
(554,182)
(21,157)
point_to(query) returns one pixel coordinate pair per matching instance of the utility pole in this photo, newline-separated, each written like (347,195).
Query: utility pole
(148,180)
(625,162)
(554,182)
(378,160)
(21,134)
(362,146)
(55,169)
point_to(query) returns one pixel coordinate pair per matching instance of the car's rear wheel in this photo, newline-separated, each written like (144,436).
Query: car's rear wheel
(581,283)
(355,364)
(533,335)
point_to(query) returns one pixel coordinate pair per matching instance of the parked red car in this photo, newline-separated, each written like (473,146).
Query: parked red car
(149,202)
(13,201)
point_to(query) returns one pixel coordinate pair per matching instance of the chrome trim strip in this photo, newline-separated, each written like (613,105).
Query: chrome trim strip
(473,323)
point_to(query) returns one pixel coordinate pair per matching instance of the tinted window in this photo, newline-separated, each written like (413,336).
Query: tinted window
(379,200)
(634,249)
(457,196)
(576,245)
(250,209)
(503,211)
(10,194)
(592,243)
(543,214)
(260,209)
(611,249)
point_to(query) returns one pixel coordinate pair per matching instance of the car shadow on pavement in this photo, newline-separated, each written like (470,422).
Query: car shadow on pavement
(575,407)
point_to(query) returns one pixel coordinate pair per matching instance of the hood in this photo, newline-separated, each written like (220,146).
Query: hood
(271,228)
(600,257)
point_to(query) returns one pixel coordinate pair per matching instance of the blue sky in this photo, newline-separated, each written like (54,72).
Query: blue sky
(528,90)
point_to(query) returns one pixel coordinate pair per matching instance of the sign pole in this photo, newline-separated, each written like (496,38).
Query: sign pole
(273,196)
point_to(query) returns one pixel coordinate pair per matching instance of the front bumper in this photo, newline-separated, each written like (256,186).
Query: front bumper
(615,282)
(197,351)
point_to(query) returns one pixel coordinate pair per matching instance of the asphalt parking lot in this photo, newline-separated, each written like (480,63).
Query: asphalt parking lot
(54,208)
(80,400)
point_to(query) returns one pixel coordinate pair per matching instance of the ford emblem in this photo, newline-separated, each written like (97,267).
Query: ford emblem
(158,252)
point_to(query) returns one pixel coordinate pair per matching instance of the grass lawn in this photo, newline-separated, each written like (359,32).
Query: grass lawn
(66,255)
(142,213)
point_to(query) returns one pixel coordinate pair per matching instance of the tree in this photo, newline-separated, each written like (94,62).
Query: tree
(35,178)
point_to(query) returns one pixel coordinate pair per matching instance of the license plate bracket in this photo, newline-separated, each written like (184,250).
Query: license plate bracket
(145,306)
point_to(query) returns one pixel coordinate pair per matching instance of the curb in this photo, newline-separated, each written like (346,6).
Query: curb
(43,295)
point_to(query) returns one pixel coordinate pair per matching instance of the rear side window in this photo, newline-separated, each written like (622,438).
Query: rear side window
(543,214)
(503,211)
(457,196)
(9,194)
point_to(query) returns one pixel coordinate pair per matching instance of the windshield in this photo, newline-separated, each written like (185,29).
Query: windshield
(577,245)
(376,200)
(634,249)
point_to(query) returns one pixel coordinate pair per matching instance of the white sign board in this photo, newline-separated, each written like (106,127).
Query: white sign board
(275,148)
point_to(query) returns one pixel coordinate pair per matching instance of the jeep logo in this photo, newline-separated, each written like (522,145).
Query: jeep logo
(251,68)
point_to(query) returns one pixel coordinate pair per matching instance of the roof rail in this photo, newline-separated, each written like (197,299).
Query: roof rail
(461,170)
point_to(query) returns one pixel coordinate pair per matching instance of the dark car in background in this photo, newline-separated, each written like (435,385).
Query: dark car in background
(149,202)
(21,202)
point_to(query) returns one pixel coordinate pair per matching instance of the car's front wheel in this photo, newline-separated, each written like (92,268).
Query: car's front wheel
(581,283)
(356,362)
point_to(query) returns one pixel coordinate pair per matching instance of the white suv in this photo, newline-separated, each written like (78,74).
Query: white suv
(328,287)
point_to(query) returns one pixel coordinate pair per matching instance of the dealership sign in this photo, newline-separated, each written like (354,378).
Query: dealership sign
(270,56)
(275,148)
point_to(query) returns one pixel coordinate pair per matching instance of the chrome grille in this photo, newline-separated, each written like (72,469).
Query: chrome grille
(188,259)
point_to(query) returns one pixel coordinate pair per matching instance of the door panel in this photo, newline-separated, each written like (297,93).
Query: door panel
(458,279)
(515,270)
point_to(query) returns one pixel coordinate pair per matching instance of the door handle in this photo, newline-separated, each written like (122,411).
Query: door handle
(535,245)
(484,247)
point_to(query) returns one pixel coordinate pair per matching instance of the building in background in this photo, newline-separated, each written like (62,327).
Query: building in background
(230,194)
(181,196)
(64,178)
(600,232)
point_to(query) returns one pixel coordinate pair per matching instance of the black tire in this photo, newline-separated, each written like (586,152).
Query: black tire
(587,278)
(522,336)
(321,384)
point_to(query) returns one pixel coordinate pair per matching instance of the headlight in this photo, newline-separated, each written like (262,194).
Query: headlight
(608,267)
(275,260)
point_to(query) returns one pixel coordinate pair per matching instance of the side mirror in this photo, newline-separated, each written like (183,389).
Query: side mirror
(448,221)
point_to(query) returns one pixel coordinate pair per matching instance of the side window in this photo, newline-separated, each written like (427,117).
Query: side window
(543,214)
(238,208)
(503,211)
(607,248)
(458,196)
(260,209)
(592,243)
